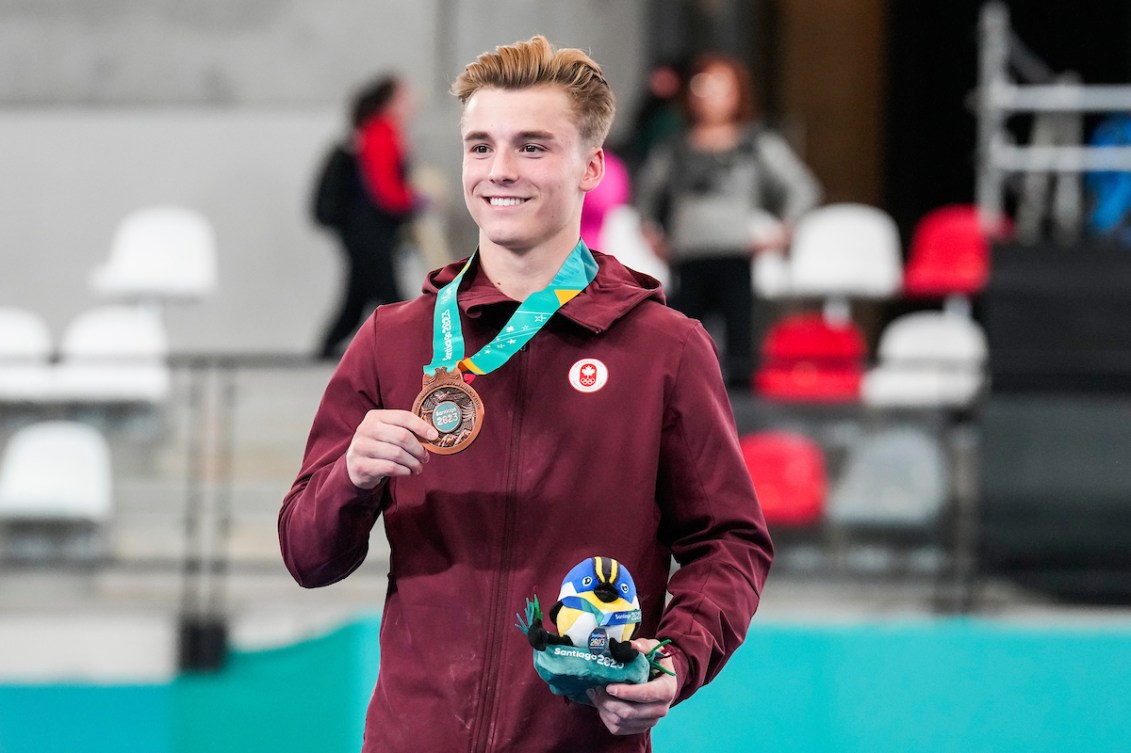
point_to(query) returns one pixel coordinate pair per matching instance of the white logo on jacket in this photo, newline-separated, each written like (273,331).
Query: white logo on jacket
(588,375)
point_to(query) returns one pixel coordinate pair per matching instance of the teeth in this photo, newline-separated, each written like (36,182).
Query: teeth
(504,202)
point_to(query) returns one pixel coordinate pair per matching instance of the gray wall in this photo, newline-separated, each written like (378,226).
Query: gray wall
(227,106)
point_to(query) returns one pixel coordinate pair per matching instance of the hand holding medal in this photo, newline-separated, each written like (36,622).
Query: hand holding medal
(387,443)
(446,401)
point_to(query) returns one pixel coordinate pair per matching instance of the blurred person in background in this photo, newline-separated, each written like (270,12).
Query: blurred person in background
(536,344)
(705,195)
(364,196)
(659,115)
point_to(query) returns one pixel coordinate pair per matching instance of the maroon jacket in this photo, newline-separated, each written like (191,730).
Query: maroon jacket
(644,469)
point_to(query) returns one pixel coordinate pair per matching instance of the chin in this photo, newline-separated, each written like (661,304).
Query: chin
(509,240)
(514,245)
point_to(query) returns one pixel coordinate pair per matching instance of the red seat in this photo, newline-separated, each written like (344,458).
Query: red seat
(807,358)
(789,476)
(949,253)
(812,336)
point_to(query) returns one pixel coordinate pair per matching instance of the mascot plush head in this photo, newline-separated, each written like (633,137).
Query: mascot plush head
(597,603)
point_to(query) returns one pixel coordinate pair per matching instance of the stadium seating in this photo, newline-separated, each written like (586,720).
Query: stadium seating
(949,254)
(55,490)
(805,357)
(113,353)
(845,250)
(788,470)
(25,352)
(893,479)
(927,359)
(159,254)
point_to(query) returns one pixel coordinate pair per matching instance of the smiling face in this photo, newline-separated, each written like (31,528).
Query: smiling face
(525,169)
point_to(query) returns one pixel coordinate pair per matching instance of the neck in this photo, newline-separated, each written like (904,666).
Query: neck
(518,275)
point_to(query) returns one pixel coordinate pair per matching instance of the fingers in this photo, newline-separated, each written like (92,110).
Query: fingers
(387,443)
(623,717)
(631,709)
(407,420)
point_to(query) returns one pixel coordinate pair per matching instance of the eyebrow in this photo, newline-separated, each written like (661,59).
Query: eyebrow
(523,136)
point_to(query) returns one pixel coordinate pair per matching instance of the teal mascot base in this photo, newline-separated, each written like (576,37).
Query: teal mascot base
(570,671)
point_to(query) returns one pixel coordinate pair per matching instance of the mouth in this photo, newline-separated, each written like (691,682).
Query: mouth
(505,201)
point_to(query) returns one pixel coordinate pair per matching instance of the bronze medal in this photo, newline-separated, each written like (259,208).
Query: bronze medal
(453,408)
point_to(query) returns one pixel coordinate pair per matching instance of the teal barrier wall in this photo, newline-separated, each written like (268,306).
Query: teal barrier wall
(96,718)
(307,698)
(938,686)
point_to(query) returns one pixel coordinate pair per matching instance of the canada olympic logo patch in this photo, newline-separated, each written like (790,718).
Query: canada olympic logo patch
(588,375)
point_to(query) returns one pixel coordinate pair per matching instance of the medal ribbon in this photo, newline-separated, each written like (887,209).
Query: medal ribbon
(575,274)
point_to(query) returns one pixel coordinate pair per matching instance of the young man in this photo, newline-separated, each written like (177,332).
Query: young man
(569,414)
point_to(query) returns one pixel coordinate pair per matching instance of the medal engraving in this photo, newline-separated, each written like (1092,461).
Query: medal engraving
(450,405)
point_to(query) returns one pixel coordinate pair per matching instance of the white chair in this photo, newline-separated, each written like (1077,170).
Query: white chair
(25,353)
(770,274)
(55,490)
(159,253)
(845,251)
(895,478)
(927,359)
(113,353)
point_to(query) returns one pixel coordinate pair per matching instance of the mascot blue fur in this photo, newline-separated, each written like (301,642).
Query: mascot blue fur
(596,616)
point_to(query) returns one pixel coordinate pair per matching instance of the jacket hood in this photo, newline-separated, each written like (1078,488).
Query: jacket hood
(613,293)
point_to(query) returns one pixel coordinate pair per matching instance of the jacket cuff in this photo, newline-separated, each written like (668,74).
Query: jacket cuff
(682,672)
(338,485)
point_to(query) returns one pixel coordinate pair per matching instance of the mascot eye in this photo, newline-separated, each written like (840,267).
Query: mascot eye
(624,587)
(587,581)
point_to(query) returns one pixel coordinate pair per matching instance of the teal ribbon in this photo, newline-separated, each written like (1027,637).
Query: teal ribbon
(575,274)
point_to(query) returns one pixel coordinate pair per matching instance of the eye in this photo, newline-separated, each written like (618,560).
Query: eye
(531,148)
(624,587)
(479,149)
(587,581)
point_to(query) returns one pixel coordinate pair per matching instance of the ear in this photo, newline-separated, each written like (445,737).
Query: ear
(594,169)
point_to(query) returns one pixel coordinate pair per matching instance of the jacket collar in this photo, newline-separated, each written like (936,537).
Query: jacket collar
(613,293)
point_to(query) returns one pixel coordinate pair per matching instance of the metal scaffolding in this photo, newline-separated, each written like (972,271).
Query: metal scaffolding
(1056,153)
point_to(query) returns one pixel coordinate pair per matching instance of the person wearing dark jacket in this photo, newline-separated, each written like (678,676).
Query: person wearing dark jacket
(363,195)
(592,420)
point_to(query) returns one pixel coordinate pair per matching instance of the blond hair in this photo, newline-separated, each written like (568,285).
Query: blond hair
(534,63)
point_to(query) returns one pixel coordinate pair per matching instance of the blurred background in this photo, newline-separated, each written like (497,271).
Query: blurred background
(937,415)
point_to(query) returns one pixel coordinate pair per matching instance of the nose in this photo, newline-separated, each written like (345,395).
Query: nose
(502,167)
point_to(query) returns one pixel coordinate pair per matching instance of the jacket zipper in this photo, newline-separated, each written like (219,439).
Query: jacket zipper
(481,734)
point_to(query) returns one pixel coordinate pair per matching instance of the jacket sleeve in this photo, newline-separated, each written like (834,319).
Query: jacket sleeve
(793,182)
(710,518)
(325,520)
